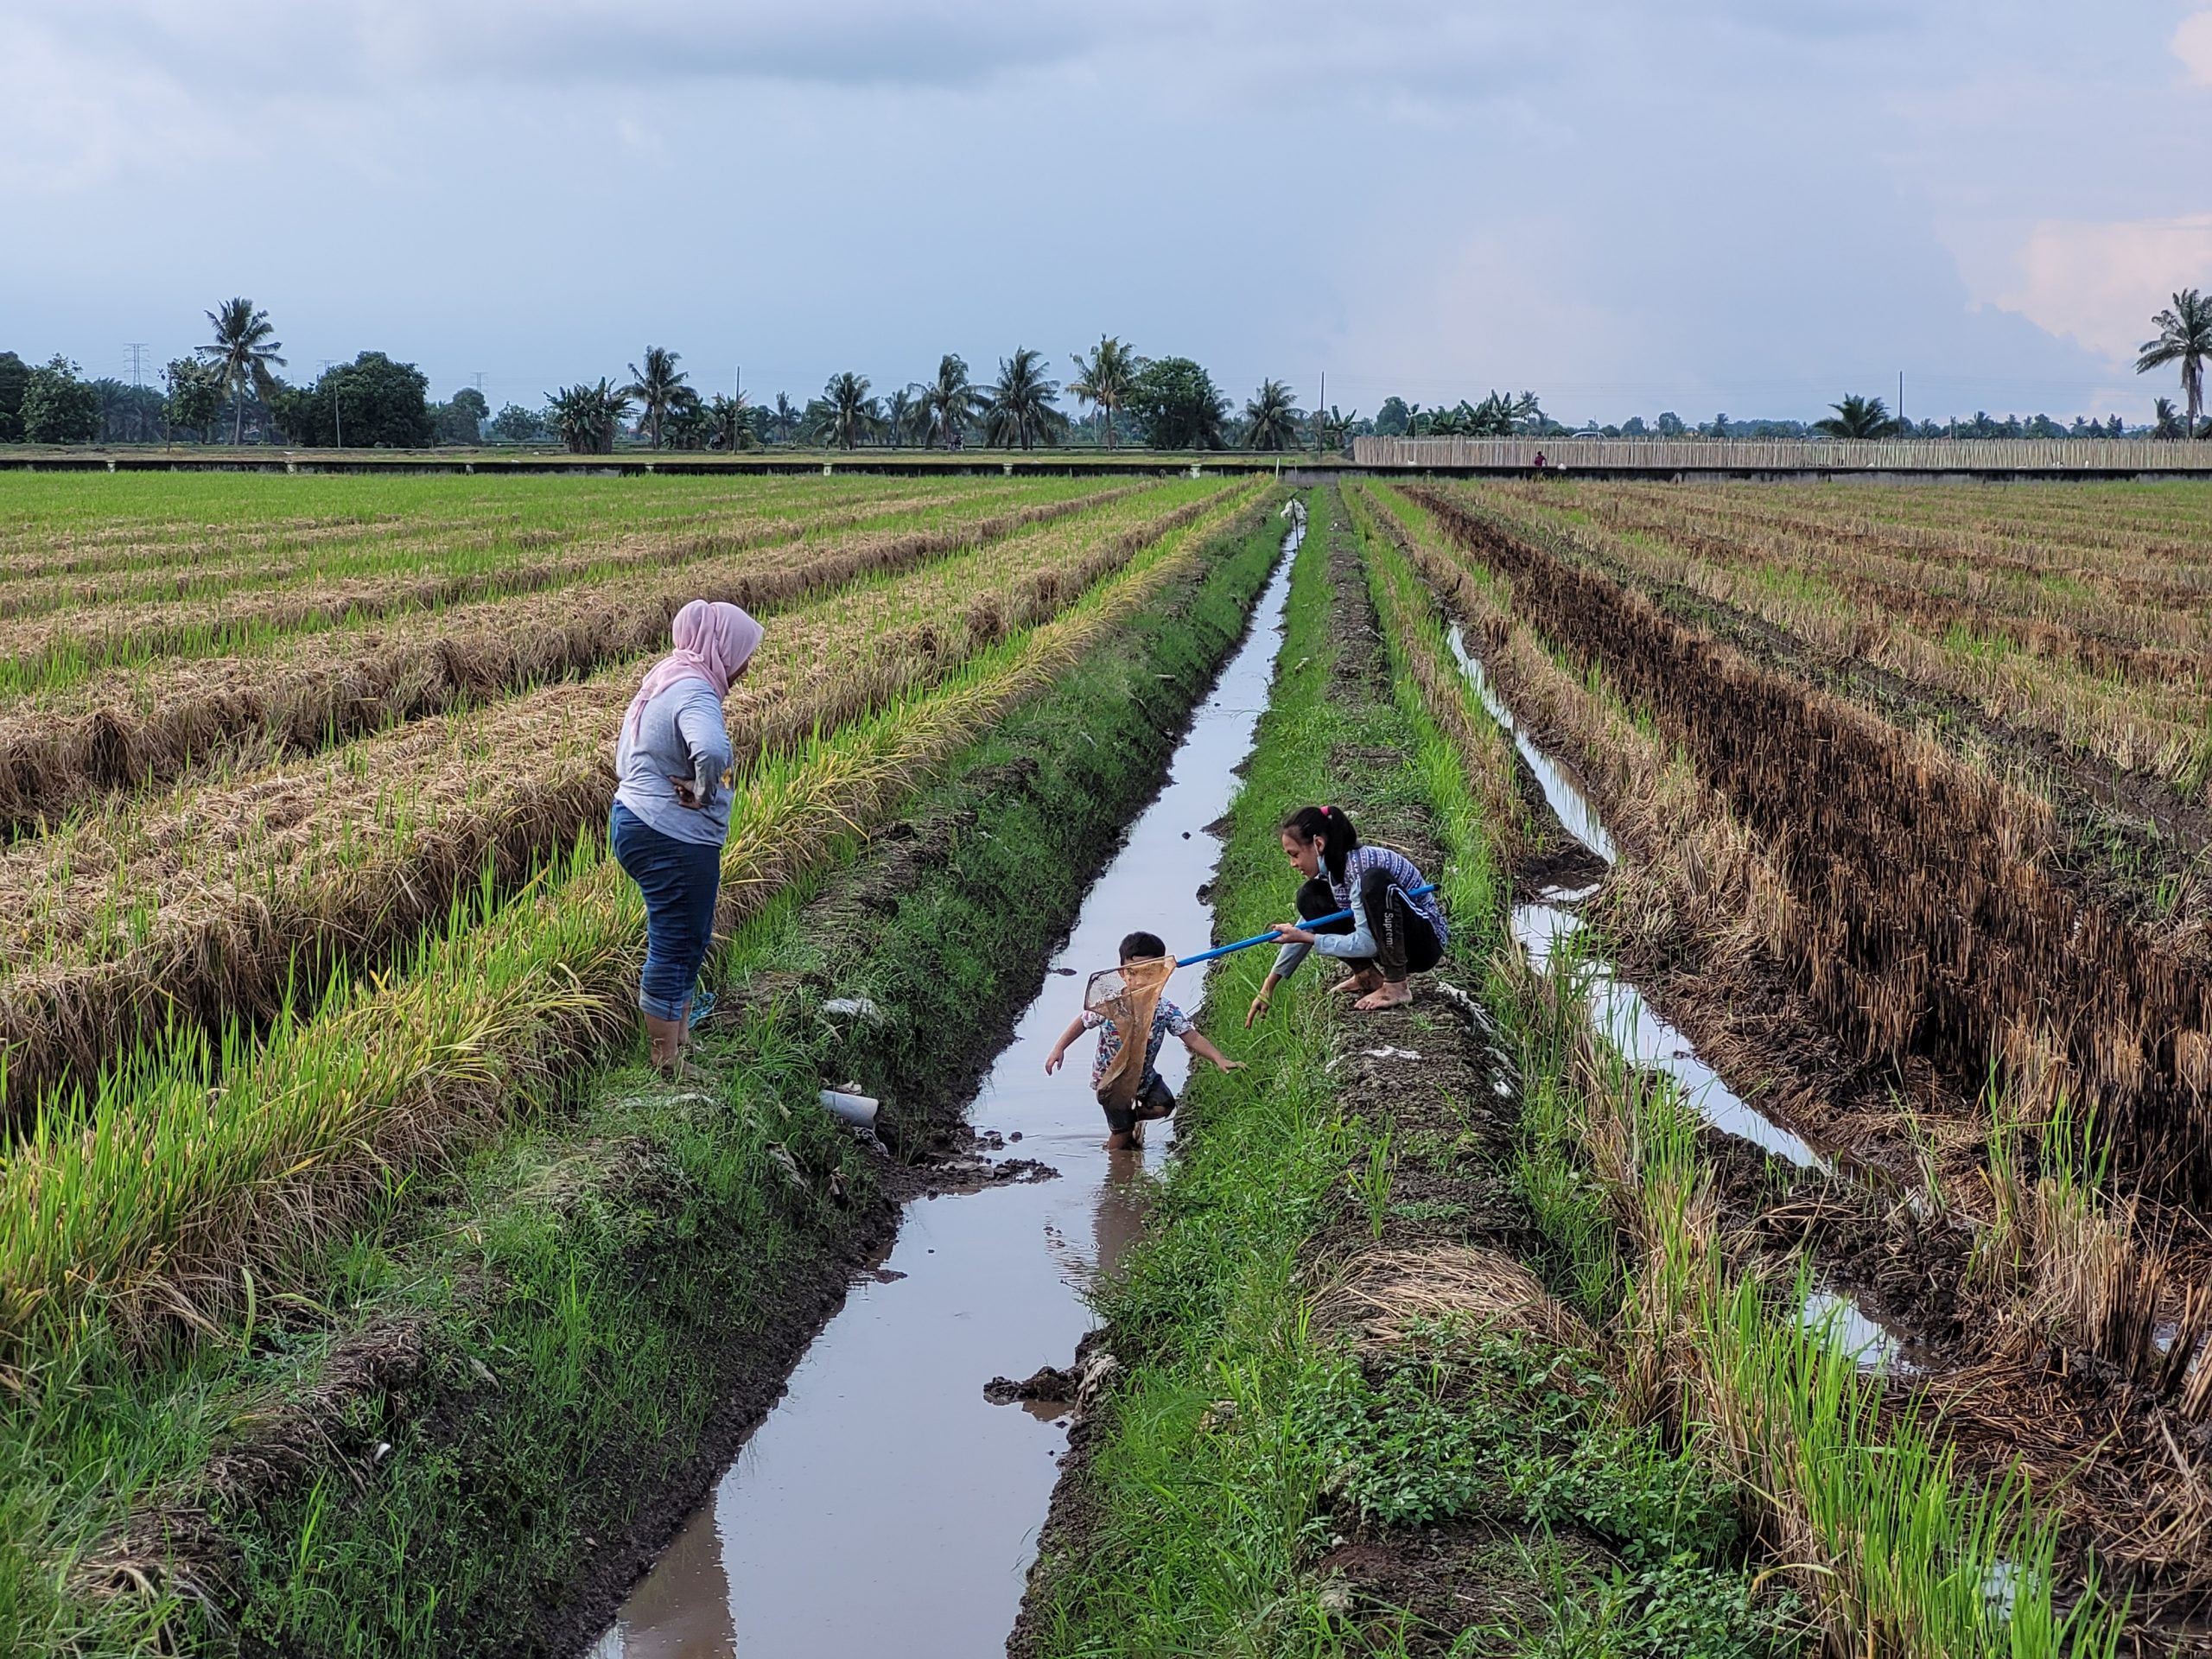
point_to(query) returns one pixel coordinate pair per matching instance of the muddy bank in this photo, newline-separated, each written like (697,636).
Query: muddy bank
(538,1445)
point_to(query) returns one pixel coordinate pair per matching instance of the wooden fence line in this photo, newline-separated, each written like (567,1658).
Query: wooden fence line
(1792,455)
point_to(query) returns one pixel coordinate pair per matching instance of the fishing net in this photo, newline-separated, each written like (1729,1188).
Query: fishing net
(1128,996)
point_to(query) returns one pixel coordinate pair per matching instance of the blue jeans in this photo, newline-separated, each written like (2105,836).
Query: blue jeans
(678,880)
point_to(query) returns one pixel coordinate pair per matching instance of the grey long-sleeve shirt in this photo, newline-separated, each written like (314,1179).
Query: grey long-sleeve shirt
(680,734)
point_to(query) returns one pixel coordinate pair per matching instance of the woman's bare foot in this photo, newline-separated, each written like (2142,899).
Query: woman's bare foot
(1394,994)
(1358,984)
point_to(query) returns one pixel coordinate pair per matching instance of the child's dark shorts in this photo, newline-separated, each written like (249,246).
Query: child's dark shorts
(1154,1100)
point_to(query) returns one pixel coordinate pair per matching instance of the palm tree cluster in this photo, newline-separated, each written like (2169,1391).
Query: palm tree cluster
(1497,416)
(586,418)
(1018,409)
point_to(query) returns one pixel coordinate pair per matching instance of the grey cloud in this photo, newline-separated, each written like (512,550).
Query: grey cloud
(843,42)
(360,44)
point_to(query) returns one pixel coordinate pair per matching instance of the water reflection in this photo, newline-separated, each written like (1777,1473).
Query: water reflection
(885,1506)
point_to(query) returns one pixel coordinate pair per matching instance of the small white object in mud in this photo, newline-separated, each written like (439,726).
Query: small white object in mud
(863,1006)
(383,1451)
(781,1158)
(1387,1052)
(1094,1371)
(856,1109)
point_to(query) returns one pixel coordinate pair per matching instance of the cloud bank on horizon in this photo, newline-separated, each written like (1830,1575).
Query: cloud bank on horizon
(1726,205)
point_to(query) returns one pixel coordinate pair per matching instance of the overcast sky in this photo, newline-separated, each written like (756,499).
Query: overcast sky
(1747,206)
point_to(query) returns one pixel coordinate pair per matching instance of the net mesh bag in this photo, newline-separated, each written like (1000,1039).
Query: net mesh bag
(1128,996)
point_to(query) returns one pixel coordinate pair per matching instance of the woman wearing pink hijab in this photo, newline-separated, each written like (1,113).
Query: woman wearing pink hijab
(671,810)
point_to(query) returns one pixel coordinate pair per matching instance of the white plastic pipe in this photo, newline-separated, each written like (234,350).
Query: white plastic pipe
(853,1108)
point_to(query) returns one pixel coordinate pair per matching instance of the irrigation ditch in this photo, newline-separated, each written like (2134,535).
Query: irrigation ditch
(506,1391)
(896,1450)
(938,933)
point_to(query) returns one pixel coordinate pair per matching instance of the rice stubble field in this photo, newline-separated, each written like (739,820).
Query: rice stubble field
(1463,1329)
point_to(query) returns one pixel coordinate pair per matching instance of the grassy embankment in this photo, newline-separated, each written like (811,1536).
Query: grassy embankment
(406,1437)
(1320,1444)
(1588,1493)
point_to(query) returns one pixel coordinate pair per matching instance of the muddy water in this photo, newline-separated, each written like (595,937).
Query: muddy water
(1544,923)
(1572,807)
(884,1507)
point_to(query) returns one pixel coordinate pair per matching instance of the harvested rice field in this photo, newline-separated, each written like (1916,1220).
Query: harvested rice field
(1776,1226)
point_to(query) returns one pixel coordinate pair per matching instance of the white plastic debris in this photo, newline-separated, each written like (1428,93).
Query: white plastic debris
(857,1110)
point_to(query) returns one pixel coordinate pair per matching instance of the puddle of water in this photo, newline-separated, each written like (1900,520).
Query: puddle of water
(885,1506)
(1571,805)
(1850,1330)
(1636,1029)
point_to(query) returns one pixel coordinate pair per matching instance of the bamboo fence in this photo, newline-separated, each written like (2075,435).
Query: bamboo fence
(1795,455)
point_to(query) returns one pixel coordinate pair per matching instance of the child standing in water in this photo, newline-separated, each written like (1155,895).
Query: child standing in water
(1153,1098)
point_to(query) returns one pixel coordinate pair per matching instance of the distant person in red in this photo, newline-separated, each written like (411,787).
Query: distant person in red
(1540,462)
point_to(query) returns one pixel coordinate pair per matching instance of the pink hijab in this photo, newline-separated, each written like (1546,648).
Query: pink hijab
(714,640)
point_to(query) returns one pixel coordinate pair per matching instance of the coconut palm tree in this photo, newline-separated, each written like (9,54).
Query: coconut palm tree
(243,354)
(1105,376)
(2184,337)
(951,400)
(1019,406)
(897,414)
(1858,418)
(1270,421)
(920,421)
(784,419)
(2165,420)
(848,409)
(688,424)
(1332,427)
(655,386)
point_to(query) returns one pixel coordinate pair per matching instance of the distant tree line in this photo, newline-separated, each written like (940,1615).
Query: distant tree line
(1168,402)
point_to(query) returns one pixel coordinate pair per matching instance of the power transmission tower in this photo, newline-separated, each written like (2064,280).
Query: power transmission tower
(138,348)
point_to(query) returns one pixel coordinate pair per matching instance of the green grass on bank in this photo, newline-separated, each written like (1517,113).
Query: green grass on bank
(517,1357)
(1244,1446)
